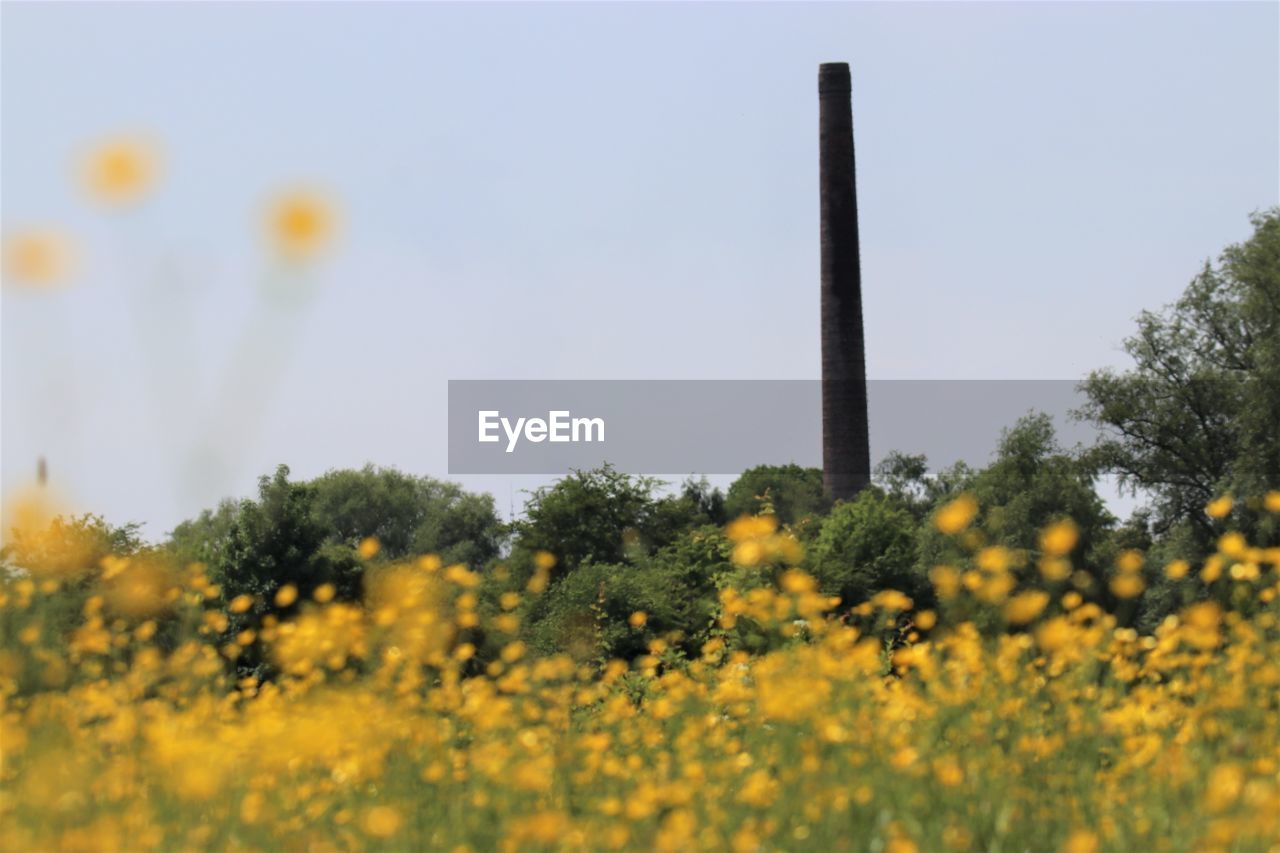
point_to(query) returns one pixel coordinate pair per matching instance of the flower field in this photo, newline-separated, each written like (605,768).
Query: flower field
(1007,720)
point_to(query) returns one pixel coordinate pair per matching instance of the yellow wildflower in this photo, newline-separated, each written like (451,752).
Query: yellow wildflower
(1025,606)
(1219,507)
(38,259)
(300,224)
(957,514)
(121,170)
(382,821)
(1059,538)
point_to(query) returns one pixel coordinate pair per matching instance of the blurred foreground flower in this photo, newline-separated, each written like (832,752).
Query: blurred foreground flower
(37,259)
(957,515)
(121,170)
(300,224)
(42,538)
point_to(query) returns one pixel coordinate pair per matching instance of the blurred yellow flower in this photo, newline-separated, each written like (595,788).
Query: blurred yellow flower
(957,515)
(240,603)
(638,619)
(1219,507)
(121,170)
(1127,585)
(995,558)
(37,259)
(369,547)
(1226,781)
(1059,538)
(1130,561)
(286,595)
(1233,545)
(382,821)
(1272,501)
(1081,841)
(1177,570)
(1025,606)
(300,224)
(751,527)
(891,600)
(324,593)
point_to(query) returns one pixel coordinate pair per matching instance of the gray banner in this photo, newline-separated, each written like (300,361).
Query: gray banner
(652,426)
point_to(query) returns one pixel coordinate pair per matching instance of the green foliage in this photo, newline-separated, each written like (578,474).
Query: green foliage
(1198,413)
(587,614)
(408,515)
(866,545)
(791,492)
(275,541)
(1031,483)
(604,516)
(203,538)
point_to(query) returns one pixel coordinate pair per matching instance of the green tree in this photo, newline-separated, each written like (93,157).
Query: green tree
(277,540)
(1032,482)
(408,515)
(589,613)
(1199,413)
(866,545)
(794,493)
(600,516)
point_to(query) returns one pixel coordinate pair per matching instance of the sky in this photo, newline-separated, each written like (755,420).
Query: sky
(596,191)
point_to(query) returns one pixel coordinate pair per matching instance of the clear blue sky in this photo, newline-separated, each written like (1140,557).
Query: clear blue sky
(590,191)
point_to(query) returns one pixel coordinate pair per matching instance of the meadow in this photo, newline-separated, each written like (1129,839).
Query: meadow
(1014,716)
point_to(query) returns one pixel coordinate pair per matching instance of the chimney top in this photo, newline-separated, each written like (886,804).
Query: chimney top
(833,78)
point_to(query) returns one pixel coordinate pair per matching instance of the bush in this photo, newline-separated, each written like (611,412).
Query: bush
(589,613)
(867,545)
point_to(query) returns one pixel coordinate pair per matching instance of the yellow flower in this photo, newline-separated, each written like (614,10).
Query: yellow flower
(369,547)
(751,527)
(286,595)
(891,600)
(1272,501)
(1059,538)
(324,593)
(240,603)
(1127,585)
(1177,570)
(544,560)
(948,772)
(382,821)
(1233,544)
(638,619)
(121,170)
(1081,841)
(995,558)
(1129,561)
(957,515)
(37,259)
(1226,781)
(946,580)
(1219,507)
(300,224)
(1025,606)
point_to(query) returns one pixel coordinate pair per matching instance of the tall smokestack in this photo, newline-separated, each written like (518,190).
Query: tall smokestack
(846,452)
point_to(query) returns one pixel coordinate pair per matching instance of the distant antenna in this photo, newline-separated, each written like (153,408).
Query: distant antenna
(42,471)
